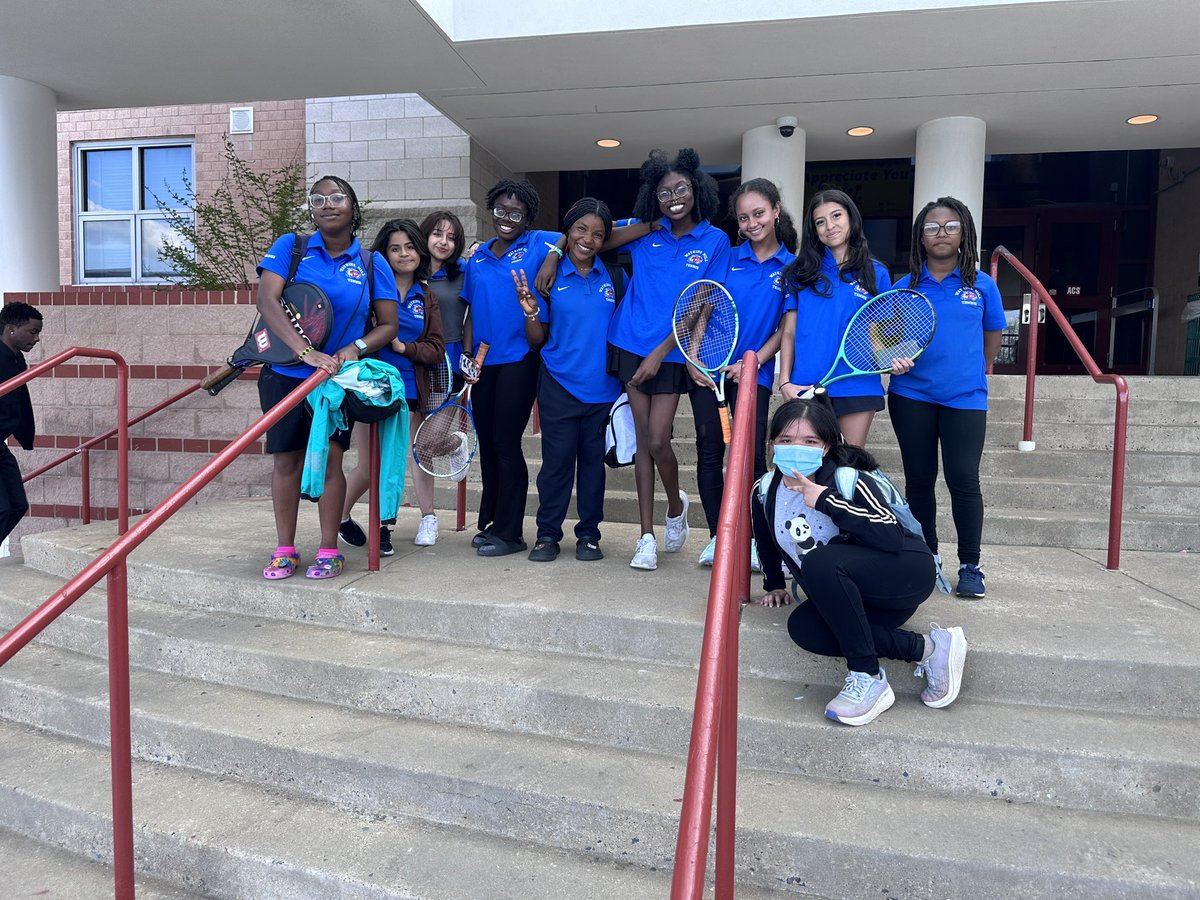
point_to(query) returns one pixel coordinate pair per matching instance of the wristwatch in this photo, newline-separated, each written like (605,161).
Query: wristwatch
(361,345)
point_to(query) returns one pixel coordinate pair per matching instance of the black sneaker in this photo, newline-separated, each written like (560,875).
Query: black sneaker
(587,550)
(544,551)
(385,541)
(350,532)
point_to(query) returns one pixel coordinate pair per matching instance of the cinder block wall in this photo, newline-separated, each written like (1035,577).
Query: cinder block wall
(403,157)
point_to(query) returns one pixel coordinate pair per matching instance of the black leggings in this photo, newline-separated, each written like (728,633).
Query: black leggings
(858,597)
(503,399)
(919,428)
(710,444)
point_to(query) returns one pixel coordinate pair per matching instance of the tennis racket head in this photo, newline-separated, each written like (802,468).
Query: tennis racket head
(441,380)
(311,314)
(705,324)
(445,443)
(897,324)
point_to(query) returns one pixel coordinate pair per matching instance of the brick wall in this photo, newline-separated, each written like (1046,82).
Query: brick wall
(170,339)
(278,139)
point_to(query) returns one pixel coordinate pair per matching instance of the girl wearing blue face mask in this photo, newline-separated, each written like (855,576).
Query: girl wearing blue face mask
(862,573)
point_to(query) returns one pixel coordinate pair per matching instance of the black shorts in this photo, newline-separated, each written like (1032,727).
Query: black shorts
(672,378)
(845,406)
(290,434)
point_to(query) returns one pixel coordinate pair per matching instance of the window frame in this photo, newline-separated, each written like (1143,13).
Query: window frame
(134,217)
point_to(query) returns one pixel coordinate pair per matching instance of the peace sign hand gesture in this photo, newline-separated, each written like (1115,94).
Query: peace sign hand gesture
(525,296)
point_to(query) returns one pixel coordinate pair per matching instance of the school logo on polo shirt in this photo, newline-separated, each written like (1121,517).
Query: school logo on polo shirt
(777,279)
(353,272)
(695,259)
(860,292)
(609,294)
(968,296)
(516,255)
(416,307)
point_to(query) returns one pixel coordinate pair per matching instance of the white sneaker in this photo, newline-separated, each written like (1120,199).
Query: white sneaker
(427,531)
(677,528)
(709,551)
(755,565)
(646,554)
(862,699)
(460,458)
(944,667)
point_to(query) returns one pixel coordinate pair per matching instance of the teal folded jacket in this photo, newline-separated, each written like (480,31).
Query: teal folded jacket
(380,384)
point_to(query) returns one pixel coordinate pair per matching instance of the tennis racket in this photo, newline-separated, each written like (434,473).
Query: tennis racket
(311,314)
(441,377)
(896,324)
(705,324)
(446,442)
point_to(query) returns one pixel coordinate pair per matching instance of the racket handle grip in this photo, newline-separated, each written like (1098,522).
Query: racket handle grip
(482,354)
(809,394)
(726,430)
(220,379)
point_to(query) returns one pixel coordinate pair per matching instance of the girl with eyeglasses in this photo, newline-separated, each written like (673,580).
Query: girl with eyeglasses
(418,344)
(832,276)
(943,400)
(507,386)
(672,244)
(334,261)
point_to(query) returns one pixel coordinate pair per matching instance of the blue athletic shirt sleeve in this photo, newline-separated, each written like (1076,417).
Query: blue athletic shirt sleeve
(952,371)
(411,315)
(279,257)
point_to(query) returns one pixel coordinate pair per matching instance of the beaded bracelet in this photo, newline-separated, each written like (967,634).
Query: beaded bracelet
(307,350)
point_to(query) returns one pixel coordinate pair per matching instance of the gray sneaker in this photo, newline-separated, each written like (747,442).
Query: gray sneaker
(862,699)
(676,532)
(944,667)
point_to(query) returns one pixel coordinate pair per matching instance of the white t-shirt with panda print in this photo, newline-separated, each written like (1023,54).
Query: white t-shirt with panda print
(798,528)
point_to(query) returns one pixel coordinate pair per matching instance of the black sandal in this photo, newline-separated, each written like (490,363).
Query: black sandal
(495,546)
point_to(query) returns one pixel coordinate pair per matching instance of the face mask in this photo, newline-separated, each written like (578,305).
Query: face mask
(797,459)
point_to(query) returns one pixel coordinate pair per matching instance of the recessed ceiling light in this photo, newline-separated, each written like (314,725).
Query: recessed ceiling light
(860,131)
(608,143)
(1141,120)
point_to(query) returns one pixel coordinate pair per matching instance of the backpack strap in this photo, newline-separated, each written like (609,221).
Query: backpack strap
(299,247)
(846,479)
(368,261)
(618,283)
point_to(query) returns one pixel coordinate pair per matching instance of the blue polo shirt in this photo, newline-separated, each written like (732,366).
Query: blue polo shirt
(952,371)
(411,312)
(578,312)
(757,289)
(344,282)
(820,324)
(664,265)
(496,316)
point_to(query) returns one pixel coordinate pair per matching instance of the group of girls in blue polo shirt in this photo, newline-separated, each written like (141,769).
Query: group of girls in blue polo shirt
(576,335)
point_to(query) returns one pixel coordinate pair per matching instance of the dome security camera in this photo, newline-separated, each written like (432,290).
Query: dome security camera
(786,125)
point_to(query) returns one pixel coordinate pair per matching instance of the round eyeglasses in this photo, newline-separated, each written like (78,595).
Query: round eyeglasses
(316,201)
(513,215)
(681,190)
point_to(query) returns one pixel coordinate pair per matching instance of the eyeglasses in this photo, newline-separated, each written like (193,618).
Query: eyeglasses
(931,229)
(681,190)
(316,201)
(513,215)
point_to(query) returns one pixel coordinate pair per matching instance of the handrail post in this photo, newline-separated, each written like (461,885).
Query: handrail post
(1117,500)
(120,739)
(460,515)
(373,501)
(122,447)
(85,491)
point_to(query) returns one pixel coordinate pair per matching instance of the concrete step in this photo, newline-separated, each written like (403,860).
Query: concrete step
(36,868)
(1136,764)
(1072,387)
(822,836)
(1062,601)
(1099,410)
(223,837)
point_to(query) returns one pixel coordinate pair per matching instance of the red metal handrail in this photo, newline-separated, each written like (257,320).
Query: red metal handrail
(121,431)
(713,745)
(1121,417)
(112,563)
(83,452)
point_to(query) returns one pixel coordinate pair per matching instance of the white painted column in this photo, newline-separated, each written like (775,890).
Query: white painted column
(766,154)
(29,173)
(950,157)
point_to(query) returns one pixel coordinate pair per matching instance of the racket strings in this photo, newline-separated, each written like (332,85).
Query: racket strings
(446,441)
(894,327)
(706,327)
(440,383)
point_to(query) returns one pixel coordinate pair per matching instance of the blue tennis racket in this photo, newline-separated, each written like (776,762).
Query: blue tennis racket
(705,324)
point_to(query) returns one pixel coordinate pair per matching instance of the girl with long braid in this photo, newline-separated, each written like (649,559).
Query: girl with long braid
(943,400)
